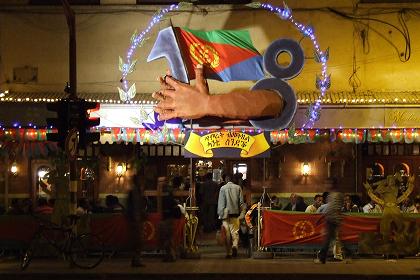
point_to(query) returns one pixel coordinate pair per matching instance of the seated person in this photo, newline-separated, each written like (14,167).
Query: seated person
(296,203)
(291,206)
(113,205)
(417,204)
(323,207)
(43,207)
(317,203)
(15,207)
(407,206)
(83,207)
(372,207)
(349,206)
(275,203)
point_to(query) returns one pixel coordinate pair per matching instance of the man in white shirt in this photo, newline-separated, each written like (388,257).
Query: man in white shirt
(229,208)
(313,207)
(372,207)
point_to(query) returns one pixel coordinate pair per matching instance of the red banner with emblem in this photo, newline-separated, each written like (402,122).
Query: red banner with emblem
(113,229)
(280,228)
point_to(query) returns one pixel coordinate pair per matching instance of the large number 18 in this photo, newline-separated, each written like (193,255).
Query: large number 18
(278,81)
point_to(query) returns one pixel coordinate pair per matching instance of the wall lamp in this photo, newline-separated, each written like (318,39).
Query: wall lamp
(120,169)
(305,169)
(14,169)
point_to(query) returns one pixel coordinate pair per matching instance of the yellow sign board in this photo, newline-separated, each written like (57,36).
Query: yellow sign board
(247,145)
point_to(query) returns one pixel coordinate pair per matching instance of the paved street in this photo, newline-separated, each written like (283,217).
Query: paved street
(214,266)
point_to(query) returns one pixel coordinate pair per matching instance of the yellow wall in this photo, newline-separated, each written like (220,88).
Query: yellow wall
(39,39)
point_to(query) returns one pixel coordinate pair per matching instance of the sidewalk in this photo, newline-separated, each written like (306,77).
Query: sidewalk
(216,267)
(213,265)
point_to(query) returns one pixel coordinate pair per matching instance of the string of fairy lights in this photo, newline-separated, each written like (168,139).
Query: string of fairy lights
(322,83)
(177,135)
(303,100)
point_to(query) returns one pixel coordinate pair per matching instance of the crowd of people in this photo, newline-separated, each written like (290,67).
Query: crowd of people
(351,203)
(222,207)
(43,205)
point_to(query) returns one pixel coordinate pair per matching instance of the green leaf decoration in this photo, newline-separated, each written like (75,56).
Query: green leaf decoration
(254,5)
(318,57)
(120,63)
(143,40)
(157,13)
(318,82)
(132,66)
(135,120)
(292,130)
(131,92)
(122,94)
(327,53)
(154,138)
(143,114)
(165,130)
(134,36)
(186,4)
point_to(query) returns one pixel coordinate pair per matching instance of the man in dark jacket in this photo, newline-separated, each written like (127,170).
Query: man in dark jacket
(170,213)
(209,191)
(136,215)
(296,204)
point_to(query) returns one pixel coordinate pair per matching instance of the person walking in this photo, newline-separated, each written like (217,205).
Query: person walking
(229,209)
(333,216)
(208,193)
(136,215)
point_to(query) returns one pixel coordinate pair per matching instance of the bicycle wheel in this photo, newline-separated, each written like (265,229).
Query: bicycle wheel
(28,255)
(86,251)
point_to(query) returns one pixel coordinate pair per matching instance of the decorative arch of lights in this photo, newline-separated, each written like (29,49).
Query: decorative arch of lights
(322,81)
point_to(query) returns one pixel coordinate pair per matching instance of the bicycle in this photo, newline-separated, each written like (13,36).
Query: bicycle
(85,251)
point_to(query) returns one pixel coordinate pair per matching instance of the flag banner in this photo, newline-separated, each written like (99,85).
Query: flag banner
(285,228)
(114,230)
(228,55)
(227,144)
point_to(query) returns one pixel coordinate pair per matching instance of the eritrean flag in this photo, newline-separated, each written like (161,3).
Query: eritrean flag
(228,55)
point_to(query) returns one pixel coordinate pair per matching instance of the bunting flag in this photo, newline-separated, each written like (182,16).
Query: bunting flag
(227,54)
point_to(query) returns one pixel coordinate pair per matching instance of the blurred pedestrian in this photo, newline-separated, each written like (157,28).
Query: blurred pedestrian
(333,216)
(136,214)
(170,214)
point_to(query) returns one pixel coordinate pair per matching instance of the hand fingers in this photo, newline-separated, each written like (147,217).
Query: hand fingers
(200,81)
(158,96)
(171,114)
(168,93)
(168,72)
(172,82)
(165,105)
(163,84)
(165,114)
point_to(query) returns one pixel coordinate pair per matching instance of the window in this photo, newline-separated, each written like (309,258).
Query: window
(44,188)
(240,168)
